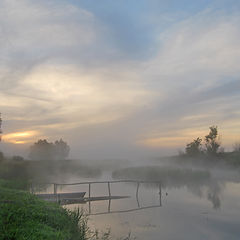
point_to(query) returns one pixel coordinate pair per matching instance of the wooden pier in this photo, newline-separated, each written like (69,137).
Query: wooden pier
(61,196)
(79,197)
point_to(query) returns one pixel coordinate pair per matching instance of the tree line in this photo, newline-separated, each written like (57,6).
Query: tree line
(210,146)
(44,150)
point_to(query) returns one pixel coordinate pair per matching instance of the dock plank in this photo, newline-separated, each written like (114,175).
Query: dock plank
(59,196)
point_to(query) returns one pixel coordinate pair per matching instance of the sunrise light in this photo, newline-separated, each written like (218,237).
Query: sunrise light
(19,137)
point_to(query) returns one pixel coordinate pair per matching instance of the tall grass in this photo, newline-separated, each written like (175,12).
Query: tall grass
(23,216)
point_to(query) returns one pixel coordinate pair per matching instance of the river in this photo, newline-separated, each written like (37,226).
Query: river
(182,211)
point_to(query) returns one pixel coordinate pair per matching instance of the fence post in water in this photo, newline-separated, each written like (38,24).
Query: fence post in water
(109,190)
(138,184)
(160,194)
(109,193)
(137,189)
(89,196)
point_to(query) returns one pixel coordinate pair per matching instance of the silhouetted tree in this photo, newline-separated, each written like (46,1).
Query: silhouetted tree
(61,150)
(44,150)
(212,143)
(17,158)
(236,147)
(1,157)
(194,148)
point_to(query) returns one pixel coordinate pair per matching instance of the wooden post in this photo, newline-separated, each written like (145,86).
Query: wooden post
(109,205)
(109,190)
(32,189)
(55,188)
(109,193)
(137,189)
(137,194)
(160,194)
(55,191)
(89,196)
(89,190)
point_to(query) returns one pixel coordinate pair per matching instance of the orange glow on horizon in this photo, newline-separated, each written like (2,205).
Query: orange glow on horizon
(19,137)
(20,142)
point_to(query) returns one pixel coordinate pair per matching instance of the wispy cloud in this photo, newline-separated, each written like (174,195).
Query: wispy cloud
(196,71)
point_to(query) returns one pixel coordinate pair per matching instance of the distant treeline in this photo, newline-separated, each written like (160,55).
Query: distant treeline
(44,150)
(25,171)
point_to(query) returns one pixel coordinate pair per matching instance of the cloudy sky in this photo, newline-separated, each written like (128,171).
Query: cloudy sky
(119,79)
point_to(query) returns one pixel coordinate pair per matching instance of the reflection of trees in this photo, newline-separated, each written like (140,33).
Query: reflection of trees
(198,182)
(213,195)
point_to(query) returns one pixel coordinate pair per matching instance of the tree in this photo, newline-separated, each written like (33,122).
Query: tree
(18,158)
(44,150)
(194,148)
(212,143)
(236,147)
(61,149)
(1,157)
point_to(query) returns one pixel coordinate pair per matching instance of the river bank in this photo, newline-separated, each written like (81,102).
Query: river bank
(23,216)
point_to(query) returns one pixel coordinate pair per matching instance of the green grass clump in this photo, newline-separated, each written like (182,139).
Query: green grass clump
(23,217)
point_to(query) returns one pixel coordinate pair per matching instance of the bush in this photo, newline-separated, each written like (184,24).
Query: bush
(1,157)
(194,148)
(17,158)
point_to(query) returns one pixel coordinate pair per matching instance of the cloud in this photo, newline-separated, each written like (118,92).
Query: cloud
(74,97)
(196,71)
(34,32)
(205,42)
(43,27)
(45,83)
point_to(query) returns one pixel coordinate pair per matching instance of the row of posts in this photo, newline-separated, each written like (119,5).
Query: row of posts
(55,186)
(109,193)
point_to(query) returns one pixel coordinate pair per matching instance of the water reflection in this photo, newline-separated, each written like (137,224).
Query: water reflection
(198,182)
(131,209)
(68,198)
(189,199)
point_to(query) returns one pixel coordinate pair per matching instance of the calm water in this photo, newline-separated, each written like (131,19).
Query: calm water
(194,211)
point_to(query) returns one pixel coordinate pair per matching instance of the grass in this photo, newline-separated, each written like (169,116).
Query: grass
(23,217)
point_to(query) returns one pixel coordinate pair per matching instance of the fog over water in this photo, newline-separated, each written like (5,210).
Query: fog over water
(195,203)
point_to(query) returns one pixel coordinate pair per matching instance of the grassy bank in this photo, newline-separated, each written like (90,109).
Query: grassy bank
(23,217)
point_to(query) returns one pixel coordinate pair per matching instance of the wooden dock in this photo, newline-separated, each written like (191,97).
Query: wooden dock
(53,197)
(79,197)
(74,198)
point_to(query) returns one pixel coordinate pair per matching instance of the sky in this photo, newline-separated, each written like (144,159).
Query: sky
(119,79)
